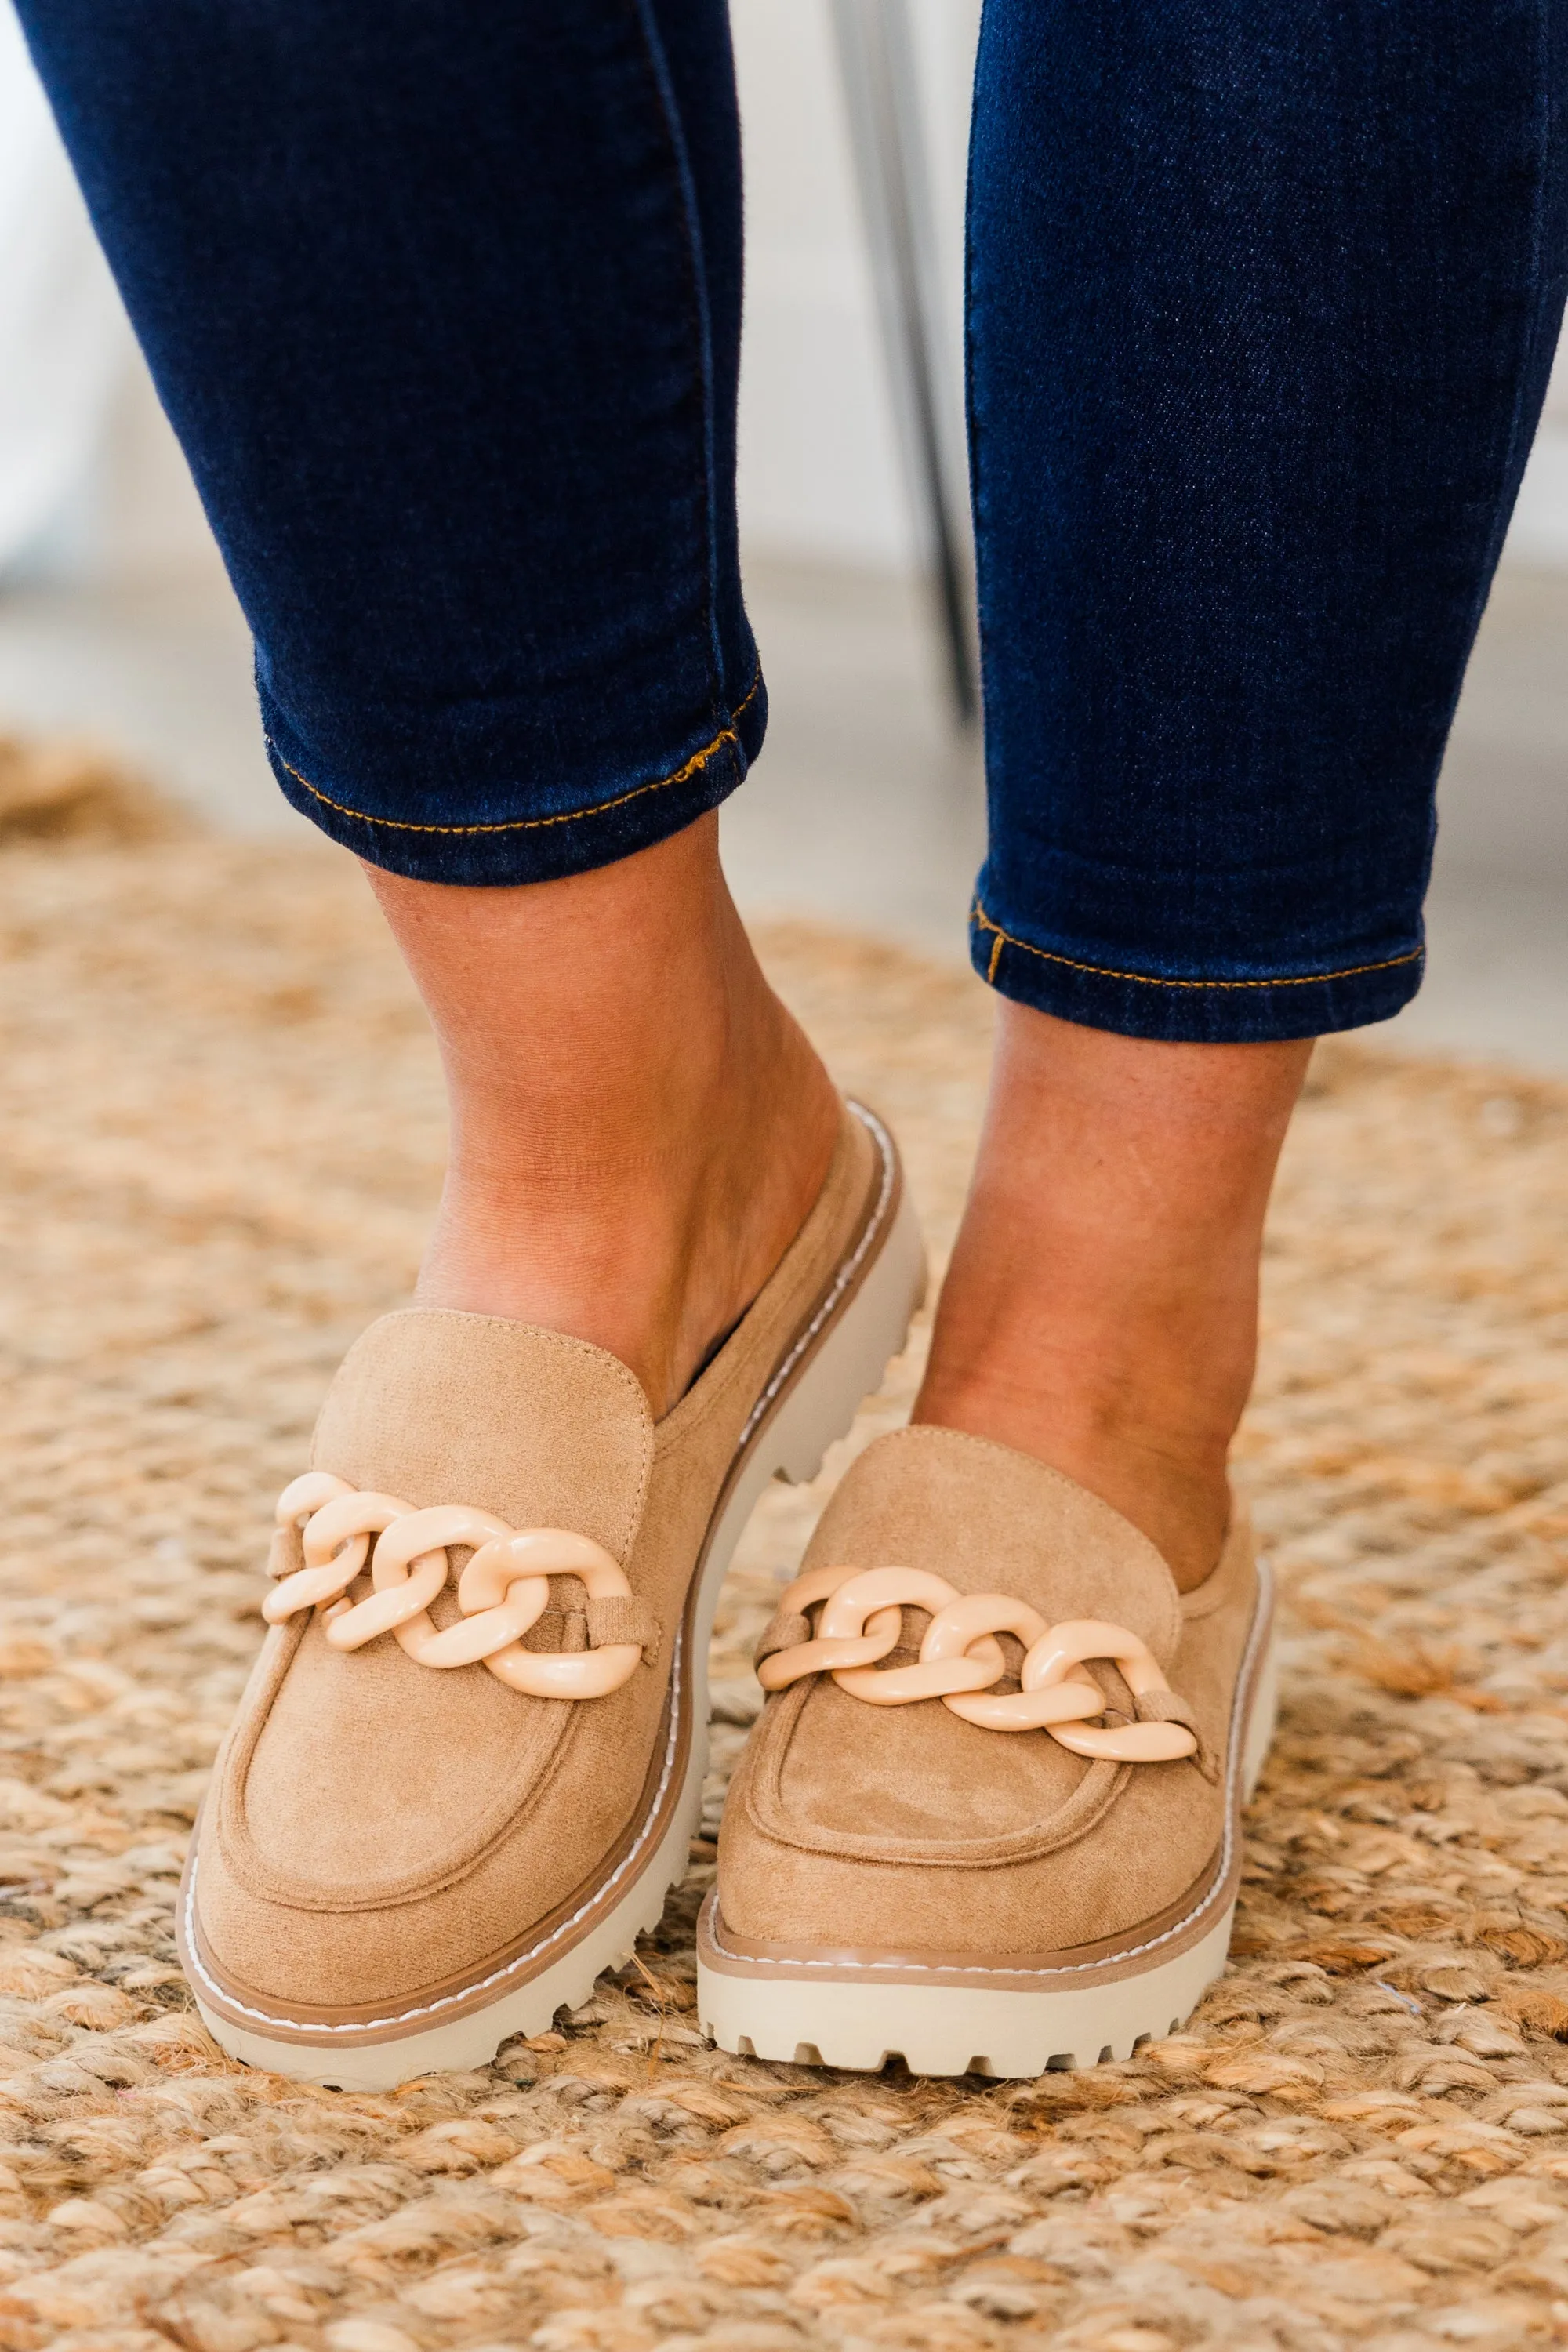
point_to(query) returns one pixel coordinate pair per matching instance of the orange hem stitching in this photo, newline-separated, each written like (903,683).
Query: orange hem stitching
(1144,980)
(532,824)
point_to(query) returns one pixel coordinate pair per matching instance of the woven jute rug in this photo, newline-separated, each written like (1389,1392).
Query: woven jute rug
(220,1137)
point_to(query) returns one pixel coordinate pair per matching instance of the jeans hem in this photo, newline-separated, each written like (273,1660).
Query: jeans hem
(1191,1011)
(512,850)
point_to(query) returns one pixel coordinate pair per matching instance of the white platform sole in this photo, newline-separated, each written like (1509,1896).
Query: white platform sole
(846,1368)
(947,2029)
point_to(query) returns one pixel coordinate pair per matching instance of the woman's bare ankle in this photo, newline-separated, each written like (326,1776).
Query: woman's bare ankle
(1172,1487)
(638,1124)
(1101,1311)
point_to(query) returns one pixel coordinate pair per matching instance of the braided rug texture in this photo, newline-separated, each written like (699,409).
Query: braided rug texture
(220,1136)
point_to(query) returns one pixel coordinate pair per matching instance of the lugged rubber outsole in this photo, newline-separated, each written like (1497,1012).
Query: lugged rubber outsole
(776,2009)
(794,1437)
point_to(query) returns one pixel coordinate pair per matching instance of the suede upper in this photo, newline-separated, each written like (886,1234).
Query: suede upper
(906,1829)
(378,1830)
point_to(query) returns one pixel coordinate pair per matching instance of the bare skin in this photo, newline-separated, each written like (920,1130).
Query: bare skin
(639,1129)
(1100,1310)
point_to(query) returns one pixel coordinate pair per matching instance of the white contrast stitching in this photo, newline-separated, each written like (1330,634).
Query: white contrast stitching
(1262,1619)
(482,1984)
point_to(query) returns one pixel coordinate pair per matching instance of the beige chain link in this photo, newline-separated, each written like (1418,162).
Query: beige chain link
(504,1590)
(960,1658)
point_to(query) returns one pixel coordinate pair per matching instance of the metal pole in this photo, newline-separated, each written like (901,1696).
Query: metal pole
(881,92)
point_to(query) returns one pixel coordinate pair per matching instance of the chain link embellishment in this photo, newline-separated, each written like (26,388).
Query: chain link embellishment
(960,1658)
(503,1591)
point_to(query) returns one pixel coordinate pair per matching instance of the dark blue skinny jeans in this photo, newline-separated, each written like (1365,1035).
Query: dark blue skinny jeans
(444,307)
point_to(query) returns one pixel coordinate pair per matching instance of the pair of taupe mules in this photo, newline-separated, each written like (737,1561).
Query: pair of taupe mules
(988,1819)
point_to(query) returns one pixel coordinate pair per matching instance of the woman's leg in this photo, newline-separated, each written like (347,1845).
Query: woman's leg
(444,307)
(639,1127)
(1102,1307)
(1262,304)
(447,317)
(447,321)
(1262,300)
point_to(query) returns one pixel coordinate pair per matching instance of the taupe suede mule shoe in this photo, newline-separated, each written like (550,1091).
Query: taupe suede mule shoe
(469,1761)
(985,1858)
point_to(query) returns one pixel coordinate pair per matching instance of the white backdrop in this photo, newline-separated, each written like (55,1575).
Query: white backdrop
(63,344)
(82,441)
(820,472)
(89,479)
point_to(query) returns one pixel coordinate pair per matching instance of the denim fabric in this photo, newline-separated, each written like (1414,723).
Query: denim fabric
(445,309)
(444,306)
(1262,301)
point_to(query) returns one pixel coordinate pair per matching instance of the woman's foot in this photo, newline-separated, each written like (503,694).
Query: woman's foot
(412,1848)
(989,1816)
(669,1264)
(920,1856)
(1100,1310)
(639,1127)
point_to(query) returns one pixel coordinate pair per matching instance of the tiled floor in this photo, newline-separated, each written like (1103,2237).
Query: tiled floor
(867,807)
